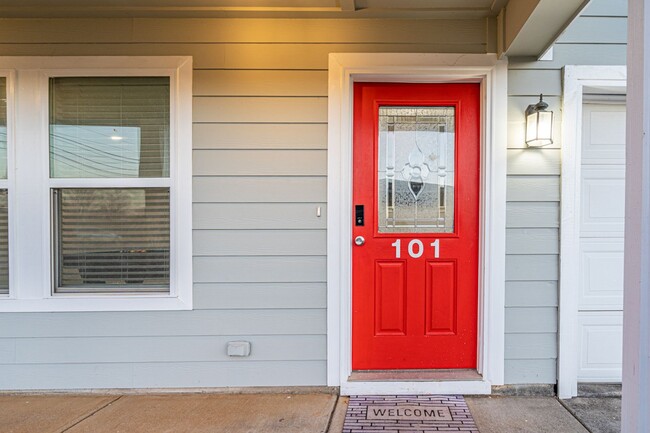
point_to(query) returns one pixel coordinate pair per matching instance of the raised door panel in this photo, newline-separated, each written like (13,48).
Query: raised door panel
(601,346)
(602,209)
(603,140)
(601,274)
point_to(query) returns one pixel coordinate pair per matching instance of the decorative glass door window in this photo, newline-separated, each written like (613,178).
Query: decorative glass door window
(416,169)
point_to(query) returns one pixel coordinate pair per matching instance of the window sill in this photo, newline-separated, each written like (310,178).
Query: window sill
(85,303)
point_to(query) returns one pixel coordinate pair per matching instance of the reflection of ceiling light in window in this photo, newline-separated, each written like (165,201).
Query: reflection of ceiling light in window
(116,137)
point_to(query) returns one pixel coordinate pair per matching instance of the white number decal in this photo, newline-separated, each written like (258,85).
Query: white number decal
(416,248)
(397,244)
(436,248)
(412,253)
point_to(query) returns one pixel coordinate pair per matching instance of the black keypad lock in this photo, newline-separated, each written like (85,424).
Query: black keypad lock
(358,215)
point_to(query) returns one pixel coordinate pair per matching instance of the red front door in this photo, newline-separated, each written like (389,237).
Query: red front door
(415,226)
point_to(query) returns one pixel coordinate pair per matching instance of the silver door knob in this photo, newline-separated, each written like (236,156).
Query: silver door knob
(359,240)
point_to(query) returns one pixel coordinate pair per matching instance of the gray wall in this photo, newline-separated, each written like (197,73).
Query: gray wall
(597,37)
(260,161)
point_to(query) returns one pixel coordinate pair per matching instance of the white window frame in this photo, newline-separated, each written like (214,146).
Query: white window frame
(30,268)
(491,73)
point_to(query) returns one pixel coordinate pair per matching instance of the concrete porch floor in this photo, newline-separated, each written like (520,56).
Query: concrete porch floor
(247,413)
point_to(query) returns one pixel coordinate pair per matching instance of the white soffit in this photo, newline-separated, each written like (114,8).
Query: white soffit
(530,27)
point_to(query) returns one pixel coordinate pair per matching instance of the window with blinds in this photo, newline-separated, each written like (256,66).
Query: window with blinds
(109,172)
(4,193)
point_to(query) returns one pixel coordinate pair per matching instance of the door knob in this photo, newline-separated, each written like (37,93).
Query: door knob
(359,240)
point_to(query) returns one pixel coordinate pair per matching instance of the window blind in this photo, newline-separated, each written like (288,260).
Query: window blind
(109,127)
(112,239)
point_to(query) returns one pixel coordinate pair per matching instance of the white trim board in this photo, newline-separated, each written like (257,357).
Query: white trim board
(344,70)
(576,79)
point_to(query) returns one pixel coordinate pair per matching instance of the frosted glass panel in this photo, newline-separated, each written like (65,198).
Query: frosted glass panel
(416,169)
(109,127)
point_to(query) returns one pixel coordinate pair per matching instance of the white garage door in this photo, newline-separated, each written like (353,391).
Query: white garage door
(602,210)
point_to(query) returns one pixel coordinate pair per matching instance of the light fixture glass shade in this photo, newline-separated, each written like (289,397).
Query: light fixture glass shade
(539,125)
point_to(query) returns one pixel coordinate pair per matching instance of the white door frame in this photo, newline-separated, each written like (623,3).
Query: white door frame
(576,78)
(344,70)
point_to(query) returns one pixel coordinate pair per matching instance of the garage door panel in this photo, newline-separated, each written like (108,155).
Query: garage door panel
(604,134)
(602,210)
(600,352)
(601,271)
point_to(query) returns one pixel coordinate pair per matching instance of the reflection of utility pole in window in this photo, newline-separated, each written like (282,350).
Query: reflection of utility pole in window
(390,173)
(442,173)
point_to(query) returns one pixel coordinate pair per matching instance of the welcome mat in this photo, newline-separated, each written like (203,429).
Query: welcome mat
(408,414)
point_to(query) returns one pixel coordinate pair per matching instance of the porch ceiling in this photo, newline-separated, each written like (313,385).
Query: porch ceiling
(522,27)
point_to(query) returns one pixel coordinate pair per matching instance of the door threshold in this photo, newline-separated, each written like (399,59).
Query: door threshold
(415,375)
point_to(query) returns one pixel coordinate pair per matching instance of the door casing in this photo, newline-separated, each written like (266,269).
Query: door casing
(576,78)
(491,73)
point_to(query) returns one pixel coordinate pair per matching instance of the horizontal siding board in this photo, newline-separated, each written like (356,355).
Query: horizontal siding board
(259,295)
(534,161)
(603,30)
(531,320)
(609,8)
(163,375)
(259,269)
(259,83)
(60,31)
(226,216)
(532,267)
(66,376)
(238,30)
(259,243)
(533,82)
(533,188)
(251,30)
(575,54)
(531,294)
(531,346)
(168,323)
(256,189)
(259,136)
(531,371)
(7,351)
(236,56)
(260,109)
(532,241)
(259,162)
(231,374)
(166,349)
(533,215)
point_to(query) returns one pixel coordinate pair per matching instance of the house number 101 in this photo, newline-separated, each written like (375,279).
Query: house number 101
(416,248)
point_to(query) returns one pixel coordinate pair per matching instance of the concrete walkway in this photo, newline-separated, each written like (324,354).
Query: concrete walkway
(247,413)
(177,413)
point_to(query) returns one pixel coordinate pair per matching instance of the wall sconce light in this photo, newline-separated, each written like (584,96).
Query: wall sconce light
(539,124)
